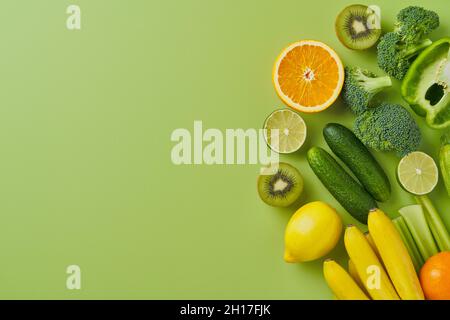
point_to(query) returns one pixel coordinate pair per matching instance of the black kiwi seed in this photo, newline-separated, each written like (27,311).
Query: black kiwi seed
(357,27)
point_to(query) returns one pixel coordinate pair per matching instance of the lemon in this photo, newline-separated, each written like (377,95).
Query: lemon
(312,232)
(418,173)
(290,134)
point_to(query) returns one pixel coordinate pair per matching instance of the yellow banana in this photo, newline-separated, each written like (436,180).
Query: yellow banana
(340,282)
(395,256)
(368,266)
(354,273)
(372,244)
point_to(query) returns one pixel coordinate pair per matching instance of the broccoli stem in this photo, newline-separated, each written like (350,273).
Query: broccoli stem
(374,85)
(414,49)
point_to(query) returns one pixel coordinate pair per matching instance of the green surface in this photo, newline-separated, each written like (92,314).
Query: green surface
(85,124)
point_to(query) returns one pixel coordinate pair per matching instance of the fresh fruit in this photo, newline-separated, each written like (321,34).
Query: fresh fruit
(354,198)
(426,85)
(308,76)
(395,256)
(362,255)
(418,173)
(358,159)
(340,282)
(358,27)
(354,274)
(444,160)
(312,232)
(282,188)
(435,277)
(372,245)
(285,131)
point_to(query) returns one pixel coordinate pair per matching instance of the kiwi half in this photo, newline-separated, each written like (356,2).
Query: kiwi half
(358,27)
(282,188)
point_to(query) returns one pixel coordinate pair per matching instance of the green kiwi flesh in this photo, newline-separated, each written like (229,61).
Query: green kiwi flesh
(282,188)
(358,27)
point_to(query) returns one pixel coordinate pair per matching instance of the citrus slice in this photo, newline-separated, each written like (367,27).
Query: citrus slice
(418,173)
(290,134)
(308,76)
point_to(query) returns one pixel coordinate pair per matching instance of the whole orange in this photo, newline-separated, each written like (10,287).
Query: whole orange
(435,277)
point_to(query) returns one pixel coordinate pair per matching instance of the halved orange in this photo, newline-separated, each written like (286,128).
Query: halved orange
(308,76)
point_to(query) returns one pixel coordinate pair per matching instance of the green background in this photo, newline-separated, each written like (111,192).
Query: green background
(86,176)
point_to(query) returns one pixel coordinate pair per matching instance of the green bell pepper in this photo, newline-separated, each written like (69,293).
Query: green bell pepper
(426,86)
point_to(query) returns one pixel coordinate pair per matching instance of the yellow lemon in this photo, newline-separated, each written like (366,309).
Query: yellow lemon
(312,232)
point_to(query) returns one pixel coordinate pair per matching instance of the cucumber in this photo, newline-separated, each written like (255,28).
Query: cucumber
(349,193)
(347,147)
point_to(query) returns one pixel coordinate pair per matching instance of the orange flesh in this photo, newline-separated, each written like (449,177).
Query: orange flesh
(308,75)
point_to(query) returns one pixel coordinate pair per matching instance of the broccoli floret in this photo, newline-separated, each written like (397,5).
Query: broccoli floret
(360,87)
(388,127)
(415,23)
(394,55)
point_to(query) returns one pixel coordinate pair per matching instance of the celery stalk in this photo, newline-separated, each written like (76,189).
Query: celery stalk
(408,240)
(437,227)
(417,224)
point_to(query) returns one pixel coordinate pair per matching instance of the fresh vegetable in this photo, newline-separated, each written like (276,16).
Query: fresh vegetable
(341,283)
(312,232)
(435,277)
(358,159)
(388,127)
(437,227)
(394,56)
(360,86)
(417,224)
(414,23)
(397,49)
(426,86)
(285,131)
(409,242)
(358,27)
(308,76)
(362,255)
(395,256)
(282,188)
(350,194)
(418,173)
(444,160)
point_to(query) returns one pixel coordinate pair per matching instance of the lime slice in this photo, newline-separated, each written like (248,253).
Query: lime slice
(291,133)
(418,173)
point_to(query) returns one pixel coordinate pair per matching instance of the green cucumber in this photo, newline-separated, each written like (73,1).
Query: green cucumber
(349,193)
(347,147)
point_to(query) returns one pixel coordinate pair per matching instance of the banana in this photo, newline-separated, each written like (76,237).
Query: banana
(372,244)
(369,268)
(340,282)
(354,273)
(395,256)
